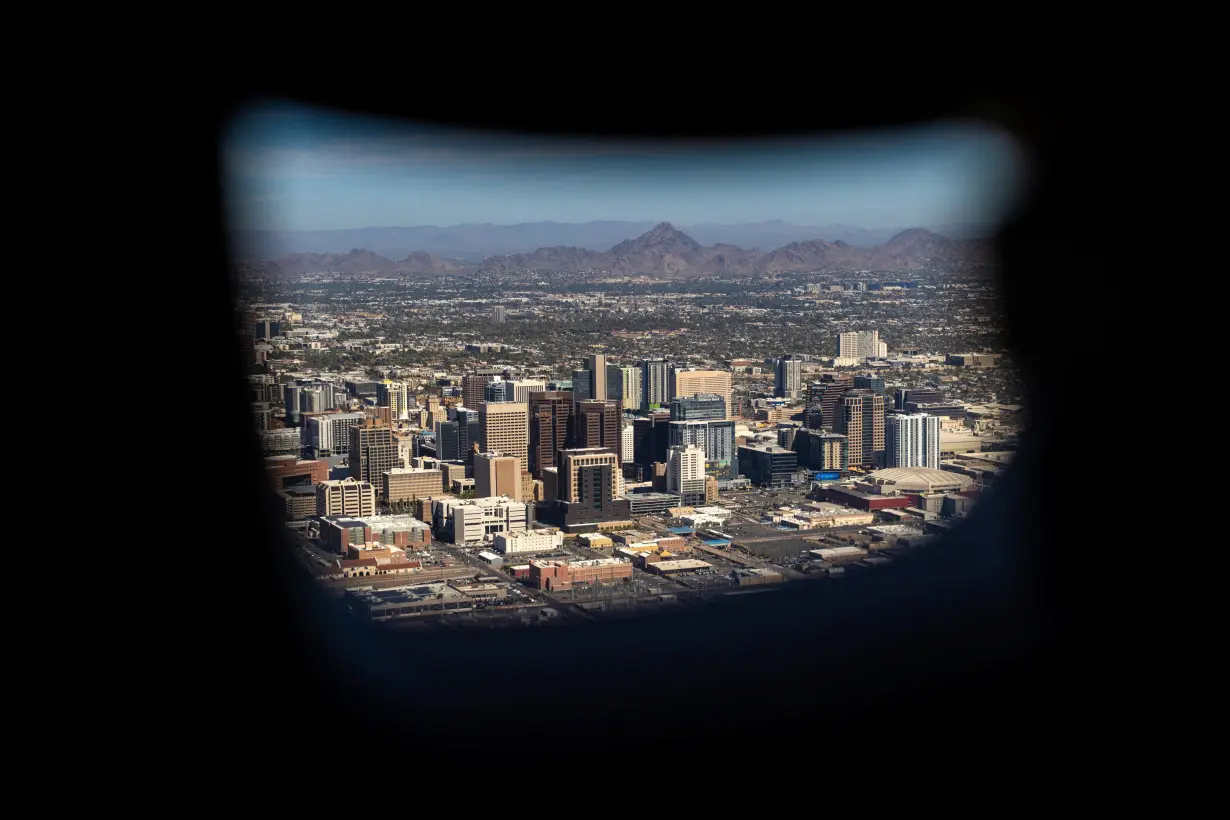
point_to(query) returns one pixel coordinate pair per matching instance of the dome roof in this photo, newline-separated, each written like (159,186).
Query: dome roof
(922,479)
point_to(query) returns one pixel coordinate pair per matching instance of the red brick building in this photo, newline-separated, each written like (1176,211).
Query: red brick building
(558,575)
(284,470)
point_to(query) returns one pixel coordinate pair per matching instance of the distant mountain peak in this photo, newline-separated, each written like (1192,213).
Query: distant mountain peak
(666,251)
(916,235)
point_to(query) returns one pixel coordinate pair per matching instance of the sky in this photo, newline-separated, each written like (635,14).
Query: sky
(295,168)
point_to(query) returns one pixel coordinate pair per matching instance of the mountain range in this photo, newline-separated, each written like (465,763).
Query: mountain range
(666,252)
(473,243)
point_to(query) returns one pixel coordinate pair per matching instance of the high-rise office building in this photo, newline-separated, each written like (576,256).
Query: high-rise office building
(685,383)
(550,415)
(313,400)
(650,439)
(582,385)
(448,444)
(474,389)
(921,395)
(788,379)
(587,476)
(827,393)
(469,432)
(395,395)
(655,384)
(597,424)
(523,387)
(822,451)
(912,440)
(345,497)
(290,402)
(715,438)
(496,474)
(626,444)
(630,389)
(267,329)
(329,435)
(862,421)
(768,465)
(506,428)
(702,407)
(873,383)
(499,390)
(685,473)
(499,315)
(372,452)
(615,384)
(860,344)
(598,379)
(785,435)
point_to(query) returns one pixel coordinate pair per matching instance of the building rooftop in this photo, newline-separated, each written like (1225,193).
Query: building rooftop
(394,522)
(918,478)
(591,562)
(765,448)
(411,593)
(681,565)
(343,522)
(896,529)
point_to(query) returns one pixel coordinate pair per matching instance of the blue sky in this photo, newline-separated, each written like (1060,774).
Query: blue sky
(296,168)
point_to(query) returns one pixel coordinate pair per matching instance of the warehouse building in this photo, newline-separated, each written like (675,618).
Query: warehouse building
(561,576)
(837,555)
(676,566)
(754,576)
(412,599)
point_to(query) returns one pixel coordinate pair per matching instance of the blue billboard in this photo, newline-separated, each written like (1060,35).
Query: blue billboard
(828,475)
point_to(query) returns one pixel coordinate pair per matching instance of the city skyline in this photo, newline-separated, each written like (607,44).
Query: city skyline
(292,168)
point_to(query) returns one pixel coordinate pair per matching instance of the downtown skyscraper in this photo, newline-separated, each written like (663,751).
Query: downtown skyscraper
(912,440)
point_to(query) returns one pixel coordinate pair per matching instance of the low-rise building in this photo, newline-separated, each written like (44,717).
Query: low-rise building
(407,484)
(672,567)
(469,522)
(754,576)
(595,540)
(561,576)
(527,541)
(299,501)
(412,599)
(835,555)
(346,497)
(404,531)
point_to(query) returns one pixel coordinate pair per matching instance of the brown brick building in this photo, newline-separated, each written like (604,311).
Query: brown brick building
(285,470)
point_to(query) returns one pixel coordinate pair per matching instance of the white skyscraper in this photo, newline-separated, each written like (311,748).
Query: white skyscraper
(655,383)
(626,445)
(912,440)
(632,387)
(523,388)
(861,344)
(685,472)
